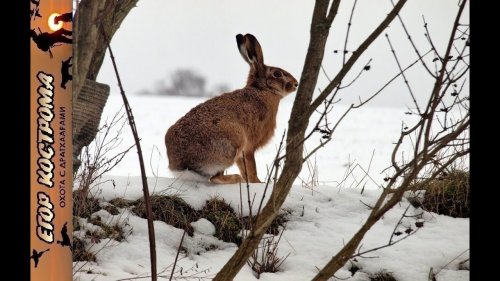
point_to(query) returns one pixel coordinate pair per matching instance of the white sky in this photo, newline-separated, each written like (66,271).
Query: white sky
(160,36)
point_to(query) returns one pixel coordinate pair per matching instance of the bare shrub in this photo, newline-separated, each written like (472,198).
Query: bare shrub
(84,206)
(265,258)
(97,159)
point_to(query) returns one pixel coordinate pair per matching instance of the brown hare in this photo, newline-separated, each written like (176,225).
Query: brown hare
(224,129)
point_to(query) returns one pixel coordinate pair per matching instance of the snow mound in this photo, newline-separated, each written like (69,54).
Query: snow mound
(203,226)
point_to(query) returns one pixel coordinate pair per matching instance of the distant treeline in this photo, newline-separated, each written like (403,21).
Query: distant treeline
(185,82)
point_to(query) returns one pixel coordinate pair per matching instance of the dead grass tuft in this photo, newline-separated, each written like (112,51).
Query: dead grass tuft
(172,210)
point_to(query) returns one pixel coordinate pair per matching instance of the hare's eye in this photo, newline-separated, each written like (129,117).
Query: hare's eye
(277,74)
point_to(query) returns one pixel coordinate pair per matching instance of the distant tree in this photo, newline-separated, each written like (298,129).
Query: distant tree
(186,82)
(145,92)
(220,89)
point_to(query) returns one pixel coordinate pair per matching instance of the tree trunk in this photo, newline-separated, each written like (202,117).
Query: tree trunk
(89,50)
(297,126)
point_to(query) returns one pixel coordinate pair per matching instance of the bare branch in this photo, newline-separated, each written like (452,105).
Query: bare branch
(333,11)
(329,137)
(348,29)
(355,56)
(413,45)
(423,156)
(365,68)
(402,73)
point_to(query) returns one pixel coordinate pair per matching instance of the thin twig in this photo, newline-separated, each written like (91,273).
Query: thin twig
(365,68)
(354,58)
(348,30)
(402,73)
(274,167)
(147,200)
(390,81)
(399,222)
(414,46)
(177,255)
(360,254)
(459,255)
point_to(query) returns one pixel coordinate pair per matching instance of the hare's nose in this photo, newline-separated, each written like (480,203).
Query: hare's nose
(296,84)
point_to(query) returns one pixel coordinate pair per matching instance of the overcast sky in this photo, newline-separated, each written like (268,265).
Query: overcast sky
(160,36)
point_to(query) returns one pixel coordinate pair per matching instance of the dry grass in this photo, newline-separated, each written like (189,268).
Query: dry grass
(227,224)
(382,276)
(84,206)
(172,210)
(278,223)
(80,252)
(111,209)
(447,195)
(121,202)
(312,180)
(112,231)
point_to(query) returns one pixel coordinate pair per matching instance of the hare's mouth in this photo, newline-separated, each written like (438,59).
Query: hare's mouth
(291,87)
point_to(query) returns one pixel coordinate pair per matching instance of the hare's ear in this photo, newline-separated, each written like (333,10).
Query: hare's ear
(250,49)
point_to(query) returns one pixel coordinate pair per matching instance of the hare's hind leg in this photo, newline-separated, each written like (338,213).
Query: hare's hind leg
(220,178)
(248,168)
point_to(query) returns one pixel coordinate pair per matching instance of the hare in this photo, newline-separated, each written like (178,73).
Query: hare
(231,127)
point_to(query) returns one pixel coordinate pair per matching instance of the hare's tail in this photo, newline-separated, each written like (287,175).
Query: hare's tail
(188,175)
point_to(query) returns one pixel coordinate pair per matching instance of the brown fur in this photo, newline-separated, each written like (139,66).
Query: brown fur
(221,131)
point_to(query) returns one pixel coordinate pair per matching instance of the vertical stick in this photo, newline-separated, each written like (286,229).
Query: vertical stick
(145,189)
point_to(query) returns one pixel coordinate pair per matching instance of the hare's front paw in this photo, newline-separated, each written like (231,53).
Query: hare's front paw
(226,179)
(254,180)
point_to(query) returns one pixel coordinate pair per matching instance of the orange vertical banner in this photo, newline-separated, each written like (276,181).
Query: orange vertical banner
(51,164)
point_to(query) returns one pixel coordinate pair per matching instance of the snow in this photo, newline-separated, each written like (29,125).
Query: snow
(203,226)
(321,221)
(323,216)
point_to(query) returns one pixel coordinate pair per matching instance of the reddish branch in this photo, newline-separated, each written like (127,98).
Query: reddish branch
(145,189)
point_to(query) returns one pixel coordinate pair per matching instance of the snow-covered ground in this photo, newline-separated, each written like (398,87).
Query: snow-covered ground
(321,221)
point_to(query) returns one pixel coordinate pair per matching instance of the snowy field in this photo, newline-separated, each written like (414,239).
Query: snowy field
(366,132)
(321,221)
